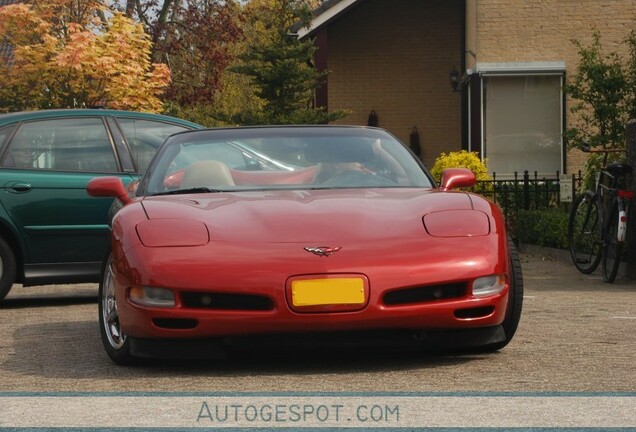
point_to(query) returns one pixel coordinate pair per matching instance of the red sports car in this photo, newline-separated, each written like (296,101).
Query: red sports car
(351,236)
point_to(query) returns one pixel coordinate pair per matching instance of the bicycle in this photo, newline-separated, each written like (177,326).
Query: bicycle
(597,225)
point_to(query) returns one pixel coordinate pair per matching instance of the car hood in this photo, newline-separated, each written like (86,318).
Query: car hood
(308,216)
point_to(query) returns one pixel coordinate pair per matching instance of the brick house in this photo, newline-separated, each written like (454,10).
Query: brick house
(511,58)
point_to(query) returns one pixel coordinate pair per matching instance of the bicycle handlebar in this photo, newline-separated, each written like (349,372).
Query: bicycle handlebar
(587,149)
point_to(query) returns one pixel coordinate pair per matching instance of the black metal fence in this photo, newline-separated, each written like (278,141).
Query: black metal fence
(527,191)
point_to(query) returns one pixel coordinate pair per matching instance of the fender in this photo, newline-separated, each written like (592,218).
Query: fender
(10,232)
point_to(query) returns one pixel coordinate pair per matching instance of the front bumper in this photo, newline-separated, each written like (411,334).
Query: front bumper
(226,270)
(222,347)
(179,323)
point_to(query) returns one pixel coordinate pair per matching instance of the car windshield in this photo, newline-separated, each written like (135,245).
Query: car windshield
(320,157)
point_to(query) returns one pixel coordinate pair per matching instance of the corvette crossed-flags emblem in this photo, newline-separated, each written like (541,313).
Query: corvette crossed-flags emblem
(323,251)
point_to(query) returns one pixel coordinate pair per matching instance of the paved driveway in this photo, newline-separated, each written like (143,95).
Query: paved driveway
(576,334)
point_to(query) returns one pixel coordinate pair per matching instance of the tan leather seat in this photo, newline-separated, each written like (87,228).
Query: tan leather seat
(208,173)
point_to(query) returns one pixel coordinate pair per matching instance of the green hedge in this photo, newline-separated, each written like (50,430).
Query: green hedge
(546,228)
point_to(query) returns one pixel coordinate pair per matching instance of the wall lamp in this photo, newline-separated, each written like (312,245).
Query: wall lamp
(457,81)
(453,77)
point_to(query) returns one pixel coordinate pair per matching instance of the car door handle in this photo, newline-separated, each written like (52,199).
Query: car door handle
(19,187)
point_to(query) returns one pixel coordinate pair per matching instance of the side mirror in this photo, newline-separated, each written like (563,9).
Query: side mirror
(108,187)
(453,178)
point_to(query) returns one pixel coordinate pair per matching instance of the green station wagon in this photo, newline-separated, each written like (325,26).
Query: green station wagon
(51,231)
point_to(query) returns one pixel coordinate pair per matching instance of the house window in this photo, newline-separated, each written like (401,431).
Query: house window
(522,122)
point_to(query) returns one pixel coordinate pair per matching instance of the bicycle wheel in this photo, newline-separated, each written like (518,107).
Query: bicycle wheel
(584,233)
(611,246)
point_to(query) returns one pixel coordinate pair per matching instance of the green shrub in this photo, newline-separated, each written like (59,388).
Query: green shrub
(460,159)
(546,228)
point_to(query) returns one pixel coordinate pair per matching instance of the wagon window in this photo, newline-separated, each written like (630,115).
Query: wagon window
(145,137)
(4,135)
(80,144)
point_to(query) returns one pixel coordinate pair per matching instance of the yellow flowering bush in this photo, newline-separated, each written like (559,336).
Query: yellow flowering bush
(460,159)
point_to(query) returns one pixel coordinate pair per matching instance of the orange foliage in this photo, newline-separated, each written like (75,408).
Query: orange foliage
(63,58)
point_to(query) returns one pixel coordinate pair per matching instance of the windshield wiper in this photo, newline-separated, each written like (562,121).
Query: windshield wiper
(188,191)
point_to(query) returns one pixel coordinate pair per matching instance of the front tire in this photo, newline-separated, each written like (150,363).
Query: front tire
(584,233)
(515,300)
(8,268)
(115,342)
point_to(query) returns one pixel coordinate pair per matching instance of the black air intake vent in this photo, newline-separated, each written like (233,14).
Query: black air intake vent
(225,301)
(424,294)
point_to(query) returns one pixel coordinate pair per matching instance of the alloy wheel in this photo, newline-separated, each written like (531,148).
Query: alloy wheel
(110,315)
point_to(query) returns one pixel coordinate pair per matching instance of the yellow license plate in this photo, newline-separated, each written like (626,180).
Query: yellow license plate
(331,291)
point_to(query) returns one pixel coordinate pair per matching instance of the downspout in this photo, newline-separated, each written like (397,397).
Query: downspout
(464,94)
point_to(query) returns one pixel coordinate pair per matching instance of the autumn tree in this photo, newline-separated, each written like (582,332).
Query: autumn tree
(76,53)
(194,38)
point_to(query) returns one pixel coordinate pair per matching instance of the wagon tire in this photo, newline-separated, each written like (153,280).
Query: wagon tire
(115,342)
(8,268)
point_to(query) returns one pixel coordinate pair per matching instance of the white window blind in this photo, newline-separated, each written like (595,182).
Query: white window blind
(523,123)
